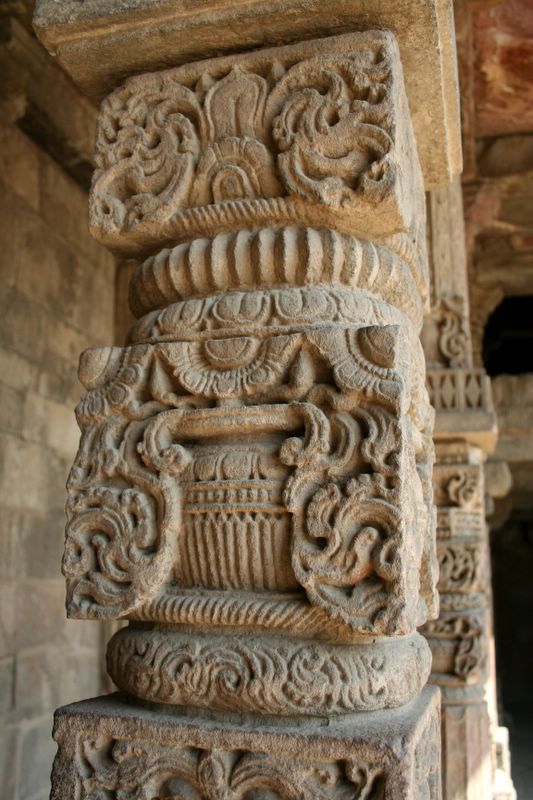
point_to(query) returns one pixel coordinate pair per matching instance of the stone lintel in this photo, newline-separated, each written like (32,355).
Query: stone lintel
(100,43)
(37,96)
(108,745)
(477,428)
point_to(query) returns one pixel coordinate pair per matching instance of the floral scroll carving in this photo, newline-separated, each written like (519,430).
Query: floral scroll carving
(461,567)
(454,337)
(122,520)
(267,676)
(458,638)
(135,492)
(113,767)
(264,136)
(167,146)
(461,642)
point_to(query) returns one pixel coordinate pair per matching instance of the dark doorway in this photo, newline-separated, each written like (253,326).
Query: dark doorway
(508,338)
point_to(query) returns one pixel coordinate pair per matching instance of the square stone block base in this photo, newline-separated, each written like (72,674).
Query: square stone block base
(466,749)
(109,748)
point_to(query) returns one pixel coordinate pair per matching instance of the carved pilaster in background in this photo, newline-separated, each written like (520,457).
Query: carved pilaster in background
(465,432)
(459,639)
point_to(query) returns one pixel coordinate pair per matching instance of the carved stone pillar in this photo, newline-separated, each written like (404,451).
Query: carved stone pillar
(253,486)
(465,432)
(459,639)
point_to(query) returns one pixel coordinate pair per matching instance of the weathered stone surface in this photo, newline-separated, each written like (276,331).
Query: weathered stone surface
(446,331)
(233,502)
(465,430)
(258,458)
(463,404)
(394,754)
(466,762)
(173,164)
(36,94)
(503,41)
(100,43)
(460,637)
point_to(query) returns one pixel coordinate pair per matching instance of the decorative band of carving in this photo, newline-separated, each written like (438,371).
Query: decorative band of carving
(459,646)
(264,313)
(459,390)
(267,257)
(115,767)
(267,675)
(110,750)
(289,612)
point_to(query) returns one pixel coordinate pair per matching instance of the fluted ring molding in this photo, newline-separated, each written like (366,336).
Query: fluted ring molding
(287,256)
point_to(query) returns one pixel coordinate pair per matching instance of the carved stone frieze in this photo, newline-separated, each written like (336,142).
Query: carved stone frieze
(459,637)
(459,390)
(163,770)
(463,404)
(461,567)
(454,342)
(453,337)
(459,644)
(293,134)
(293,256)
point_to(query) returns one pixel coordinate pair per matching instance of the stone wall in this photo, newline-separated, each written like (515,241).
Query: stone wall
(56,299)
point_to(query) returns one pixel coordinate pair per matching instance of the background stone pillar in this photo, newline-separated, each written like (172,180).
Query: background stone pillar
(253,486)
(465,432)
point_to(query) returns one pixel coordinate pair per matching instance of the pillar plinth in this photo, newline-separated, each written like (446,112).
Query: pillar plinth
(109,748)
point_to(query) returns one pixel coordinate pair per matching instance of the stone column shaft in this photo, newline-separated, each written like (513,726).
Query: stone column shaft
(253,486)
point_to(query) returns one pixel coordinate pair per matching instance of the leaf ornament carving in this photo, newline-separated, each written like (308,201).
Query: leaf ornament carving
(250,135)
(454,340)
(147,149)
(331,130)
(230,367)
(122,518)
(142,770)
(464,490)
(464,634)
(363,360)
(460,567)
